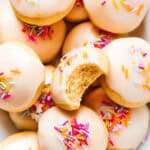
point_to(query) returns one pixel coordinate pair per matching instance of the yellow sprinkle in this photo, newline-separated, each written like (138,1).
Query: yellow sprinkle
(141,7)
(146,86)
(115,4)
(85,55)
(60,78)
(16,71)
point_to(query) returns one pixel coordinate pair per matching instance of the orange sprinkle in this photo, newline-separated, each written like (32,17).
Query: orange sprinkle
(115,4)
(85,55)
(16,71)
(60,78)
(141,7)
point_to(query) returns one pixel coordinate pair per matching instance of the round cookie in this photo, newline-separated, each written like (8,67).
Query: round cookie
(27,120)
(77,70)
(127,127)
(41,13)
(6,126)
(86,33)
(23,141)
(81,129)
(127,82)
(44,40)
(21,77)
(117,16)
(78,13)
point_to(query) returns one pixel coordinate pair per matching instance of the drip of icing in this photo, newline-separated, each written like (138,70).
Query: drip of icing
(73,135)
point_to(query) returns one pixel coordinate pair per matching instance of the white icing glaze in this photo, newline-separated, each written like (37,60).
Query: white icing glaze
(116,17)
(17,56)
(40,8)
(22,140)
(11,29)
(129,84)
(75,59)
(55,116)
(129,137)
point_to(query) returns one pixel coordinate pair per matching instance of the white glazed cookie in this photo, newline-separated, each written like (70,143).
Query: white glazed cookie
(117,16)
(78,13)
(28,119)
(128,82)
(87,33)
(127,127)
(58,128)
(39,12)
(77,70)
(21,141)
(6,126)
(21,77)
(44,40)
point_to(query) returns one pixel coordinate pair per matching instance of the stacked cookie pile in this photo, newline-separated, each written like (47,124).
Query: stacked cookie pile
(73,76)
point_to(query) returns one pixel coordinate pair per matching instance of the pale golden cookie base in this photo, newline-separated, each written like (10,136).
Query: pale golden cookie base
(114,96)
(23,122)
(45,21)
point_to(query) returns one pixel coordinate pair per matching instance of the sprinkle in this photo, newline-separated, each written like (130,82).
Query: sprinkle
(16,71)
(125,71)
(115,117)
(74,135)
(85,55)
(79,3)
(5,86)
(43,103)
(115,4)
(33,32)
(134,6)
(103,2)
(141,7)
(103,39)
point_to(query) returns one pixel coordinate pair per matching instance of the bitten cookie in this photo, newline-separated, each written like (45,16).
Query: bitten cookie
(77,70)
(117,16)
(127,127)
(128,81)
(81,129)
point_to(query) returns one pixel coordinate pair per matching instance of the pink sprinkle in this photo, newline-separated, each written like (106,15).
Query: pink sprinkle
(32,38)
(141,67)
(6,96)
(1,73)
(103,2)
(57,129)
(111,142)
(145,54)
(65,57)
